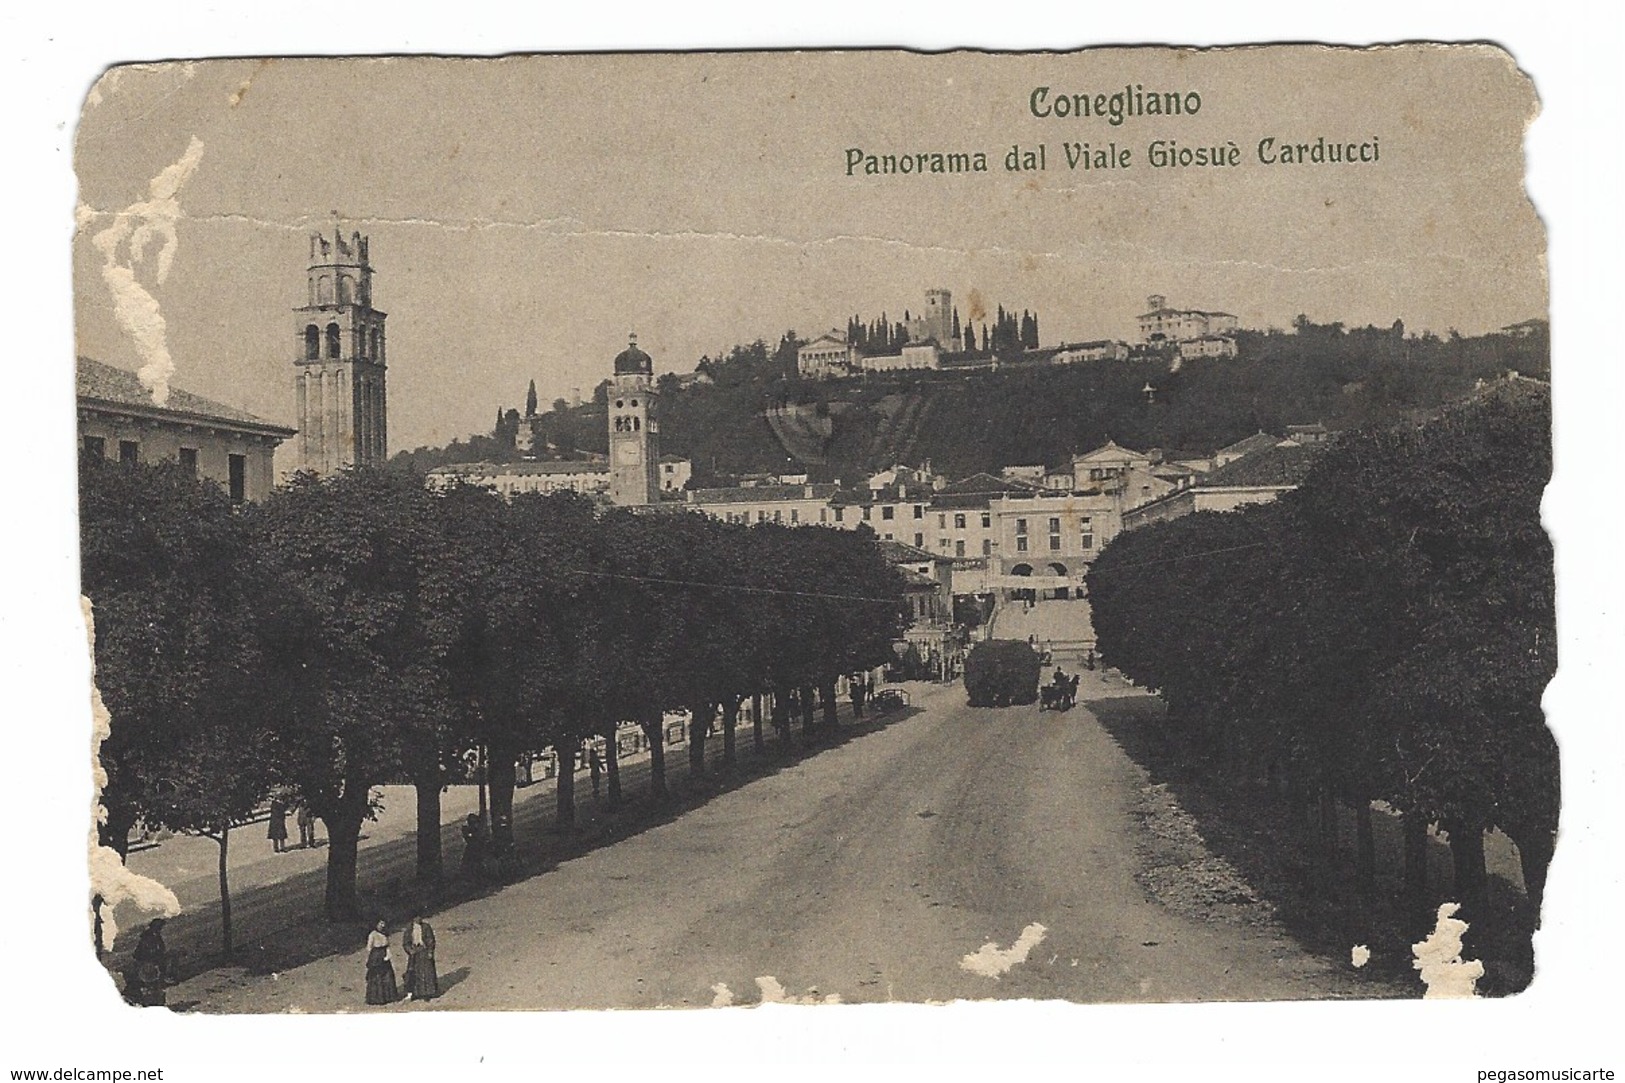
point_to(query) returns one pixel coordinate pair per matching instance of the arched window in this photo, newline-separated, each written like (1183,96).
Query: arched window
(332,342)
(324,290)
(346,290)
(636,425)
(313,342)
(376,343)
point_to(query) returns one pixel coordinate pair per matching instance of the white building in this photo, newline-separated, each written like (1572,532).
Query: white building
(1171,326)
(916,355)
(829,355)
(587,478)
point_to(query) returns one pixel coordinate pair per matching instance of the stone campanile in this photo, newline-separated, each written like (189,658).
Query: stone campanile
(634,429)
(339,392)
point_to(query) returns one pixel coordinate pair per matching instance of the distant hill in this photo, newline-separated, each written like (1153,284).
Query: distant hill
(755,417)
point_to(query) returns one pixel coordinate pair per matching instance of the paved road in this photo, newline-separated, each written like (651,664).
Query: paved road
(866,873)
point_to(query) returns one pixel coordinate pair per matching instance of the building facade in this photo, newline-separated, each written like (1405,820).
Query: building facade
(340,397)
(1164,325)
(825,357)
(117,419)
(508,479)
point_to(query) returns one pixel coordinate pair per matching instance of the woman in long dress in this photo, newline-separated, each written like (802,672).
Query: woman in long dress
(380,970)
(144,980)
(422,979)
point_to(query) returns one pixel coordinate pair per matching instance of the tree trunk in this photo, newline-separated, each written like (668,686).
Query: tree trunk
(1534,857)
(343,841)
(699,721)
(1365,847)
(225,893)
(756,736)
(501,759)
(1471,886)
(807,712)
(730,741)
(427,784)
(612,767)
(1415,827)
(826,692)
(654,729)
(564,813)
(781,716)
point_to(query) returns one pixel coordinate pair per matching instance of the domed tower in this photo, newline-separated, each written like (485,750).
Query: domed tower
(634,429)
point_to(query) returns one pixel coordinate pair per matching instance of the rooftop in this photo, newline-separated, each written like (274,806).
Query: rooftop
(1283,466)
(102,383)
(525,469)
(761,494)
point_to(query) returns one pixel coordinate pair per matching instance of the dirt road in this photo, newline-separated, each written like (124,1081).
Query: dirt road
(866,873)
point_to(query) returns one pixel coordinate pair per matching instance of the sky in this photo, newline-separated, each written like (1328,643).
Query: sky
(526,214)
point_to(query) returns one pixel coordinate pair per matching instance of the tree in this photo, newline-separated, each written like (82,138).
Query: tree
(346,640)
(175,590)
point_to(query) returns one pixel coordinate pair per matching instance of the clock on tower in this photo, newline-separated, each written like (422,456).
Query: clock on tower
(634,429)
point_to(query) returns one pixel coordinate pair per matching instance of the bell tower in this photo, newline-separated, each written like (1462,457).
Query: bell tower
(634,429)
(338,386)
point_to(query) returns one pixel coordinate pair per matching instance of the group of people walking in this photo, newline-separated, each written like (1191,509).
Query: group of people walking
(277,826)
(421,980)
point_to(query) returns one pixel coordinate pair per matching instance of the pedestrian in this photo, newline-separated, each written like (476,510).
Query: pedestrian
(307,827)
(595,765)
(473,845)
(380,968)
(857,695)
(144,979)
(422,979)
(277,830)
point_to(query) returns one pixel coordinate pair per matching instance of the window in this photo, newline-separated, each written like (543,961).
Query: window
(1054,542)
(919,541)
(332,342)
(778,515)
(888,512)
(942,521)
(237,477)
(761,516)
(959,521)
(888,536)
(942,543)
(1021,543)
(987,547)
(867,512)
(188,458)
(96,447)
(129,451)
(1054,525)
(1021,526)
(919,511)
(959,548)
(987,519)
(823,515)
(795,515)
(313,343)
(840,515)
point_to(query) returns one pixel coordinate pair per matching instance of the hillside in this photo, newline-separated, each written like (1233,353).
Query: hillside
(753,418)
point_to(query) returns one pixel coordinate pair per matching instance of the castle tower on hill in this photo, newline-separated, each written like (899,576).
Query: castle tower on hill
(634,429)
(936,323)
(339,391)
